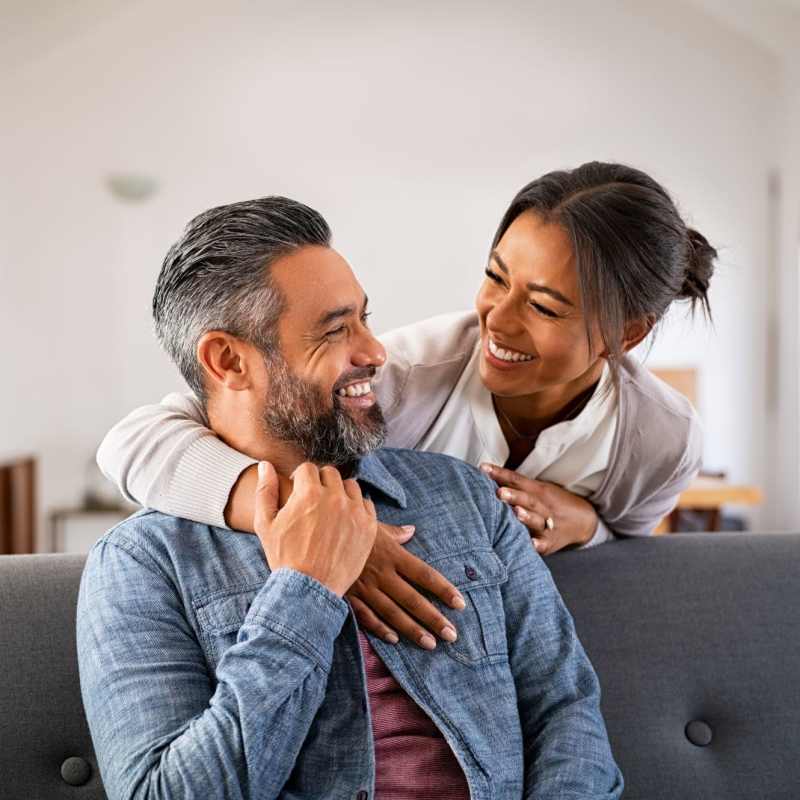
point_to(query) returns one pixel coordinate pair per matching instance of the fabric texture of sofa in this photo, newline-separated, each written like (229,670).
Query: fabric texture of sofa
(696,639)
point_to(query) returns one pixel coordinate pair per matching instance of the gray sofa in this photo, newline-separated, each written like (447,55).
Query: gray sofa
(696,639)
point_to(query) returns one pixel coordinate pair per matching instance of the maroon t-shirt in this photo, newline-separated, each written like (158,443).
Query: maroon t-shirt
(412,759)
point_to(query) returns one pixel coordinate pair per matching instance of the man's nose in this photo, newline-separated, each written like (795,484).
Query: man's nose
(369,352)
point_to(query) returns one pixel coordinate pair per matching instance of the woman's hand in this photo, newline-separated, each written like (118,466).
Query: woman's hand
(386,600)
(555,517)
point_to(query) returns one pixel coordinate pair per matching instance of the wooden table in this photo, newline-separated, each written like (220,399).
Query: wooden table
(710,494)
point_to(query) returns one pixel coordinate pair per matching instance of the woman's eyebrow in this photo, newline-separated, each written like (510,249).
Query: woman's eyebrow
(534,287)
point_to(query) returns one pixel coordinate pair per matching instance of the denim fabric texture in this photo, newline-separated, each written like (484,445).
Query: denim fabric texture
(205,675)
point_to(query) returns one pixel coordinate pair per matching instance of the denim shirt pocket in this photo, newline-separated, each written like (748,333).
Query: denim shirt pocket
(220,615)
(478,574)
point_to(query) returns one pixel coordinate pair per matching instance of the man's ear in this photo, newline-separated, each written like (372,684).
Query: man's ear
(635,332)
(225,360)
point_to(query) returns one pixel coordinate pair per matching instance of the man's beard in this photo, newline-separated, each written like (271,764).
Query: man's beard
(297,412)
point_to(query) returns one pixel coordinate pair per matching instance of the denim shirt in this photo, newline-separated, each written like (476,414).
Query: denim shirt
(206,675)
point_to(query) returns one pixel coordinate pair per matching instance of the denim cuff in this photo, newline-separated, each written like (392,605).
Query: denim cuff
(303,611)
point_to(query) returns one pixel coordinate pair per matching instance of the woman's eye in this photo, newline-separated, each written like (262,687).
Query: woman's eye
(543,310)
(494,277)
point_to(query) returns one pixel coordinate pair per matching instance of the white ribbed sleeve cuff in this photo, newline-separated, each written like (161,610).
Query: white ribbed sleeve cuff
(602,534)
(202,482)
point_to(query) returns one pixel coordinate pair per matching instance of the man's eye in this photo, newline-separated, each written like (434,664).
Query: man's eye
(336,332)
(365,318)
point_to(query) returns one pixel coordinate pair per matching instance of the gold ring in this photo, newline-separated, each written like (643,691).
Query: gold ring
(550,524)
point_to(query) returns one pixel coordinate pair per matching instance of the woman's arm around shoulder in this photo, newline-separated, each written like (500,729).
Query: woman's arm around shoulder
(164,456)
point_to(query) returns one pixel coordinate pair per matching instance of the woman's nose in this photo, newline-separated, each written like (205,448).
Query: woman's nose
(503,316)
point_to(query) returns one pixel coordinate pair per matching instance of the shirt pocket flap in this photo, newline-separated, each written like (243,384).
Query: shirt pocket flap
(471,569)
(224,612)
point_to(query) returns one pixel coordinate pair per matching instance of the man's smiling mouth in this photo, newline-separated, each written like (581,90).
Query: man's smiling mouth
(355,389)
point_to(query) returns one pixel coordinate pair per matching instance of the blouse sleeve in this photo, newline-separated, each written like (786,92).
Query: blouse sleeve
(653,489)
(164,456)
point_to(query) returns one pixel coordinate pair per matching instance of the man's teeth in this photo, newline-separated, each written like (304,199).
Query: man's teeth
(355,389)
(507,355)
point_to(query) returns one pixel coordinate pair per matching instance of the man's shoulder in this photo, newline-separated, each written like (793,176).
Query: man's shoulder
(156,541)
(424,473)
(406,459)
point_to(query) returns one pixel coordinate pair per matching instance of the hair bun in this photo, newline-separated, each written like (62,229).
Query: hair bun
(700,267)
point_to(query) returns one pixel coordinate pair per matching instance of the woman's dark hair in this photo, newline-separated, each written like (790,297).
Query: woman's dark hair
(633,251)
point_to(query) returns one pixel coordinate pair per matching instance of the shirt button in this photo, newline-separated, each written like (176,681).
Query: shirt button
(470,572)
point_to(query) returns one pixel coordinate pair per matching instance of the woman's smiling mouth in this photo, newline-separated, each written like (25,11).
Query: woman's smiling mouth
(503,355)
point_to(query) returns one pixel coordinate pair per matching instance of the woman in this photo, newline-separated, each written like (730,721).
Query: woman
(535,386)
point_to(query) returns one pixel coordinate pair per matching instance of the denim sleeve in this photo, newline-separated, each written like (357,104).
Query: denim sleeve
(160,725)
(567,753)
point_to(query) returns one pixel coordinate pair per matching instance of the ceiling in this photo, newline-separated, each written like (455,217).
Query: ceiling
(33,27)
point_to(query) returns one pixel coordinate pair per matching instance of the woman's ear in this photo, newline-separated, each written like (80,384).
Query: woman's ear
(224,360)
(636,331)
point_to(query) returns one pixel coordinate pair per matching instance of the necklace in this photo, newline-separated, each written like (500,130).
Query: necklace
(510,424)
(570,411)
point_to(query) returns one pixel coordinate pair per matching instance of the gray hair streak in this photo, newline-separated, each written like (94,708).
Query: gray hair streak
(216,277)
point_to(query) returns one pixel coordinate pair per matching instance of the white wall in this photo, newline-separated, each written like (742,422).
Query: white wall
(409,129)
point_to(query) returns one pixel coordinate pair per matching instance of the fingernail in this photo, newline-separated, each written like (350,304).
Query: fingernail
(409,528)
(392,638)
(262,470)
(457,601)
(449,634)
(487,468)
(505,494)
(427,641)
(520,512)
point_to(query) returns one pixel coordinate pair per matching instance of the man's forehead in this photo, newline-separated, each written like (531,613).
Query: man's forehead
(316,280)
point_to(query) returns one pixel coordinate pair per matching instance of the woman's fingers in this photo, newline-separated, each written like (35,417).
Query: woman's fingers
(533,521)
(540,544)
(426,577)
(400,533)
(422,609)
(400,620)
(529,502)
(370,621)
(508,477)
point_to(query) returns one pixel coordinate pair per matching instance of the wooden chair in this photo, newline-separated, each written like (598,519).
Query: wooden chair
(18,506)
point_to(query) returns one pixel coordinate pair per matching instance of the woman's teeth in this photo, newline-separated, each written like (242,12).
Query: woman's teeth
(507,355)
(355,390)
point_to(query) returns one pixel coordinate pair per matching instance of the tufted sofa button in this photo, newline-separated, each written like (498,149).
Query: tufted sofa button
(76,771)
(699,733)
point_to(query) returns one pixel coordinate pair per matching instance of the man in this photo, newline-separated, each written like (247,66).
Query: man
(208,670)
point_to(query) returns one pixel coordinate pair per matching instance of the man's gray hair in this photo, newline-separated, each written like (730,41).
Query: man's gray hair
(216,277)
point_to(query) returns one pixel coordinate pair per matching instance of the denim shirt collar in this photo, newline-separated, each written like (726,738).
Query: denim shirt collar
(373,472)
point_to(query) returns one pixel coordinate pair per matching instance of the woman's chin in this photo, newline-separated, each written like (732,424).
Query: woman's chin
(504,382)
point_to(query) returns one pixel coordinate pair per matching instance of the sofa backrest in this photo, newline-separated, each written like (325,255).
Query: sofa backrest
(696,639)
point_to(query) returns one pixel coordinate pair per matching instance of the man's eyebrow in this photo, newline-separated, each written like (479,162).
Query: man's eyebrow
(339,313)
(534,287)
